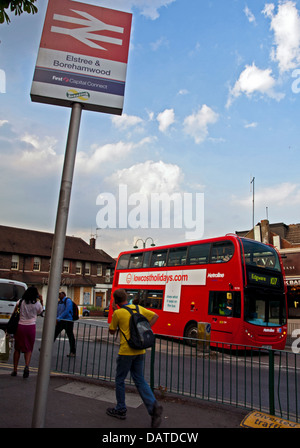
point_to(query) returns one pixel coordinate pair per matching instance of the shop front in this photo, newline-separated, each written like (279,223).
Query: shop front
(291,263)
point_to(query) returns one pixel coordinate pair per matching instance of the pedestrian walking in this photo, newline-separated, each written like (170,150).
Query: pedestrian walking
(31,304)
(131,360)
(64,320)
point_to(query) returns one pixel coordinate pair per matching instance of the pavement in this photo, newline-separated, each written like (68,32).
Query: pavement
(74,402)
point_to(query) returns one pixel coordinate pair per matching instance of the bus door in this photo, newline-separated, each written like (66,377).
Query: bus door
(224,310)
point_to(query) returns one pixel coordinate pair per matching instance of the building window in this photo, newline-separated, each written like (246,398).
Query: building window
(99,270)
(36,264)
(107,276)
(66,267)
(15,262)
(87,269)
(86,298)
(78,267)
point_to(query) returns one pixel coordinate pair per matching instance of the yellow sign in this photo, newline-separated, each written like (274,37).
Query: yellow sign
(260,420)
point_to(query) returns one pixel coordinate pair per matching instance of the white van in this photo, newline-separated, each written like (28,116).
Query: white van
(10,292)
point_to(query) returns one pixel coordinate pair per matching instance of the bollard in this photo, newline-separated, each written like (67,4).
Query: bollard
(204,329)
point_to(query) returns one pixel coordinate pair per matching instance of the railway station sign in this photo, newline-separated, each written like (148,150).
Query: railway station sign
(82,57)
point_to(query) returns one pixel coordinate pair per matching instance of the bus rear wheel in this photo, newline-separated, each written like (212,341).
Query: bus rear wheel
(191,332)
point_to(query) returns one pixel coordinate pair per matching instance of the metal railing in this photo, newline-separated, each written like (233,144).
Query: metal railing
(246,377)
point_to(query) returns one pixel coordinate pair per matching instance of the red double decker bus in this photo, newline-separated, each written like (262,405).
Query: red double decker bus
(235,284)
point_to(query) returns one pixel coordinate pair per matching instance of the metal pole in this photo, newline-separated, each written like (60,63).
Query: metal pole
(39,411)
(252,182)
(271,383)
(152,365)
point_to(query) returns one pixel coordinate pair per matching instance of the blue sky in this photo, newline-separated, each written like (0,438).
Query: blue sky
(212,100)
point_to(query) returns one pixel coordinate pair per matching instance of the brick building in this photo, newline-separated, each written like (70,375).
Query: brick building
(286,238)
(25,255)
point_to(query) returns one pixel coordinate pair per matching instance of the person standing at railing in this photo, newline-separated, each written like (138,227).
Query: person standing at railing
(64,320)
(132,360)
(31,305)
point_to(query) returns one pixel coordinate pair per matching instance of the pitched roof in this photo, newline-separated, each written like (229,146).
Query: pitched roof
(289,234)
(32,242)
(293,233)
(38,278)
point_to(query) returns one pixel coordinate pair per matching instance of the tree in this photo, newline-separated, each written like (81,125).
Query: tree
(17,6)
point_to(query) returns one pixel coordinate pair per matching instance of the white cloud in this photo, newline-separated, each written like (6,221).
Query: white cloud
(194,51)
(149,177)
(92,162)
(196,125)
(286,27)
(251,125)
(161,42)
(2,122)
(45,145)
(28,153)
(252,80)
(250,16)
(183,92)
(125,121)
(150,115)
(39,155)
(278,196)
(148,8)
(165,119)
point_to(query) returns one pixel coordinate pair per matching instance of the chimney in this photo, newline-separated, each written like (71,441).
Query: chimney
(265,231)
(93,243)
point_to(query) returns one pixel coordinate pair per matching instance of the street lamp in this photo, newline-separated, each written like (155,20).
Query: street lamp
(144,242)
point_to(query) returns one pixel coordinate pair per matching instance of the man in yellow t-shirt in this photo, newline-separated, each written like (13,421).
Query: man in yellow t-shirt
(131,360)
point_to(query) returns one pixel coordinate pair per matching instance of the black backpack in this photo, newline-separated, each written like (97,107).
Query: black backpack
(75,311)
(141,334)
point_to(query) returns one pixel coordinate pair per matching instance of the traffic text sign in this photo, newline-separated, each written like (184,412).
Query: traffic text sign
(256,419)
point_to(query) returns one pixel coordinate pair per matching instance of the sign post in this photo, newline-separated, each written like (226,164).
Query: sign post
(43,378)
(81,64)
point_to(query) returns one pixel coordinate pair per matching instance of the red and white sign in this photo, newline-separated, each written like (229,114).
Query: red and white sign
(185,277)
(83,56)
(172,280)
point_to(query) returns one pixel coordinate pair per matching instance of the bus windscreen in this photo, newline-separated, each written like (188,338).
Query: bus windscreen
(260,255)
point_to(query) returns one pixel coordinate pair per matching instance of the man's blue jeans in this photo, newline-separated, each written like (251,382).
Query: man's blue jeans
(134,364)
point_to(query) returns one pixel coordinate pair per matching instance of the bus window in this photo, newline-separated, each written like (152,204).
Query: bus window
(198,254)
(135,261)
(258,254)
(224,303)
(146,261)
(133,296)
(123,261)
(158,258)
(222,252)
(264,309)
(151,299)
(177,257)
